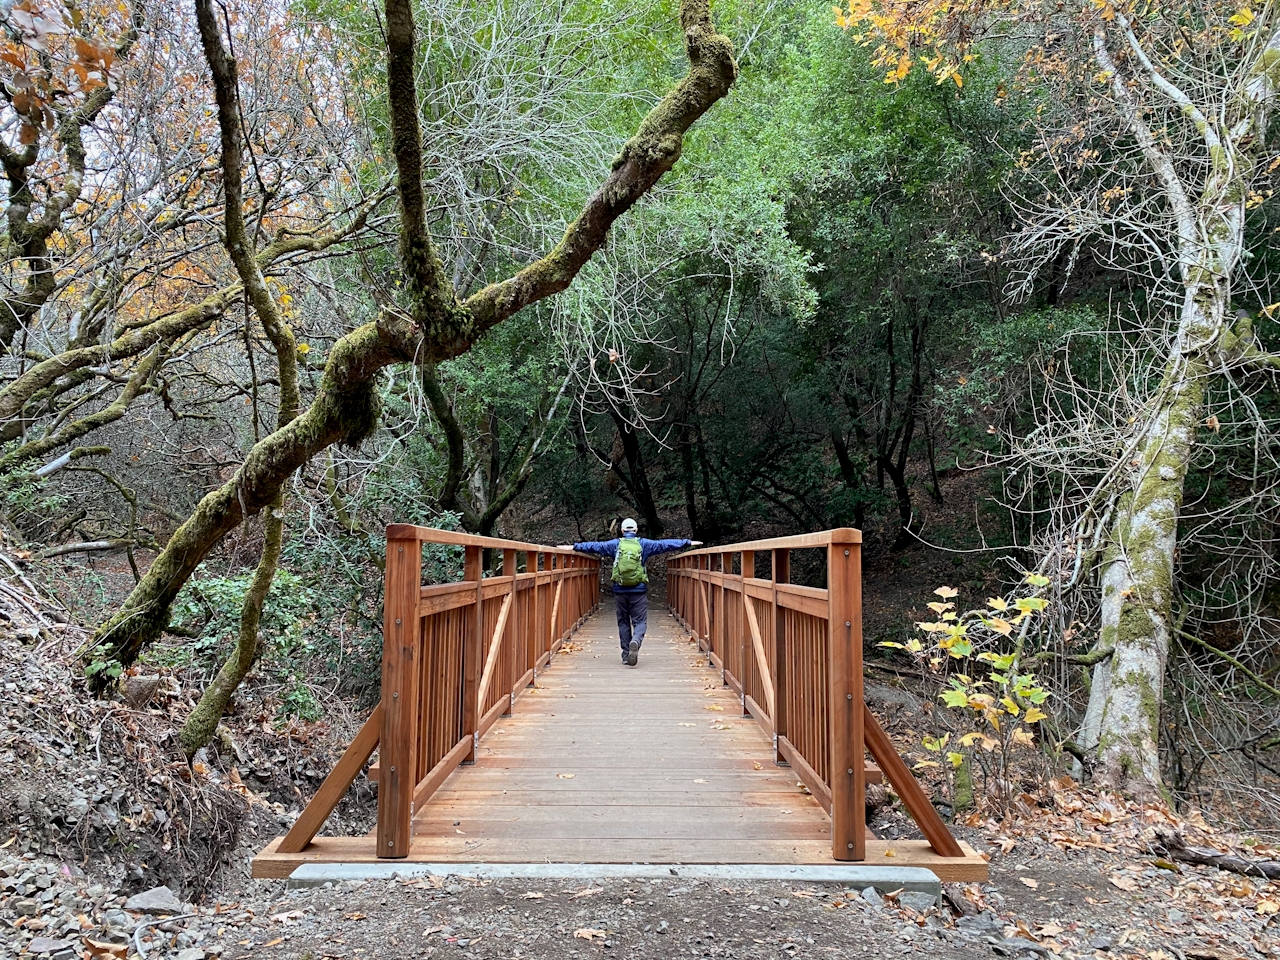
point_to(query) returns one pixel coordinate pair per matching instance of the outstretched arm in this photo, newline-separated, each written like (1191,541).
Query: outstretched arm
(653,548)
(601,548)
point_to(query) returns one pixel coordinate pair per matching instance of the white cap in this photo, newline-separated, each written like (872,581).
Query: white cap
(629,526)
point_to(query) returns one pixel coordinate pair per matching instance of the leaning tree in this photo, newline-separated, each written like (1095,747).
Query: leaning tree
(427,321)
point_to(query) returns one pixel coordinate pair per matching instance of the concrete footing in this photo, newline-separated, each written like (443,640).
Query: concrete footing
(884,879)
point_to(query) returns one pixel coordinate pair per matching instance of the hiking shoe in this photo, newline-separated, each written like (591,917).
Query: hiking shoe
(625,654)
(632,654)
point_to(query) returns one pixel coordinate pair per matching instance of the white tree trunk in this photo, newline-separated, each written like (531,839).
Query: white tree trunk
(1122,722)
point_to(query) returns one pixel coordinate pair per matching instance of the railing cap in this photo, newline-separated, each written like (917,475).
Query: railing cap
(822,538)
(408,531)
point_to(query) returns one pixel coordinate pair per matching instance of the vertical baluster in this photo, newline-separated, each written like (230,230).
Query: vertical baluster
(746,648)
(473,650)
(510,631)
(781,574)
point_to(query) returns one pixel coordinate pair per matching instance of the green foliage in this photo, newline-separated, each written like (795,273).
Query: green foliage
(997,712)
(211,605)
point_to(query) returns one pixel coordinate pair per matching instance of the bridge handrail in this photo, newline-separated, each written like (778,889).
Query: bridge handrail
(801,541)
(454,658)
(794,655)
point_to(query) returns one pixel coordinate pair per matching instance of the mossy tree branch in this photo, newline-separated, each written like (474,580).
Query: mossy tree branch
(435,327)
(204,719)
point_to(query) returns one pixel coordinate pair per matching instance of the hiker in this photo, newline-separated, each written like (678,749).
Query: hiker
(629,554)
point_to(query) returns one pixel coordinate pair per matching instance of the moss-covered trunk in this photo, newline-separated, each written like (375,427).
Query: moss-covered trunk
(345,409)
(1122,721)
(204,719)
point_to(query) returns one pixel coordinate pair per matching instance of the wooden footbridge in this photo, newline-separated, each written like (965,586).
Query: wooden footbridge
(510,732)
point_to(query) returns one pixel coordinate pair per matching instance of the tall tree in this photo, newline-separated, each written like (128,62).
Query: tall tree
(1178,102)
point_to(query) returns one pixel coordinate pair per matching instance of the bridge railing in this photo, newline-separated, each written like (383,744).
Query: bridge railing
(455,656)
(794,655)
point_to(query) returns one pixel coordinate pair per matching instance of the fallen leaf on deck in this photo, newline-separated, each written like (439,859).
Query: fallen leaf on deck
(713,706)
(699,781)
(758,765)
(565,776)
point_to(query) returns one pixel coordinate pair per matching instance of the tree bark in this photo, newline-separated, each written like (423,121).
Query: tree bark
(204,719)
(1122,721)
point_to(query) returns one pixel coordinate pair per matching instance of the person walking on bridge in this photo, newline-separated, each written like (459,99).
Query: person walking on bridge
(629,554)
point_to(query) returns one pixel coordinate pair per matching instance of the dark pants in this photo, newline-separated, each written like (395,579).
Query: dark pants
(633,617)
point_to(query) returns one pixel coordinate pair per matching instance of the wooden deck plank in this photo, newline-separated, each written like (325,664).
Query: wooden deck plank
(602,763)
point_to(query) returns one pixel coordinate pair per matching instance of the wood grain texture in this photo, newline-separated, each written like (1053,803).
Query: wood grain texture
(908,788)
(605,763)
(846,777)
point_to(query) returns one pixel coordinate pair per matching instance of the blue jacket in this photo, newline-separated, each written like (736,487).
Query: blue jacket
(648,548)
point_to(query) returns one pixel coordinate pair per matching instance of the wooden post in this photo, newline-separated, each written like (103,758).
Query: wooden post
(511,632)
(781,574)
(398,745)
(844,625)
(473,652)
(748,559)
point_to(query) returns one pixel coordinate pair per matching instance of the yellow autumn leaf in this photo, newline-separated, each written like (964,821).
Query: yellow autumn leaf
(997,603)
(1010,706)
(946,593)
(1034,715)
(304,348)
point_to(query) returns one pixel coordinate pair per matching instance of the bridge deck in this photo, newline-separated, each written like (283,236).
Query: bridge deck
(606,763)
(602,763)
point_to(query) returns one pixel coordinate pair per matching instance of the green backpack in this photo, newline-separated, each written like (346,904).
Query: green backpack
(628,565)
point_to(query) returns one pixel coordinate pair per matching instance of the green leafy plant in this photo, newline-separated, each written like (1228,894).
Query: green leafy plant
(209,609)
(1000,709)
